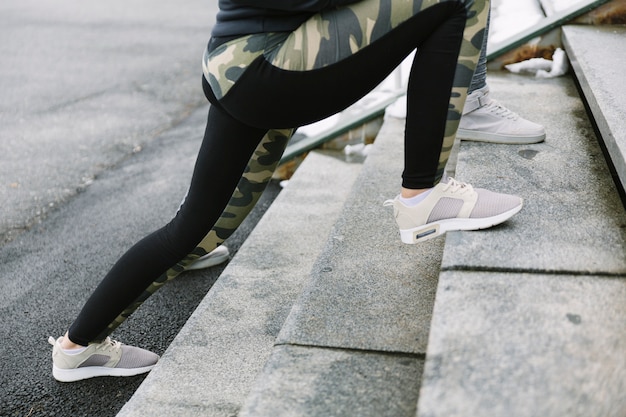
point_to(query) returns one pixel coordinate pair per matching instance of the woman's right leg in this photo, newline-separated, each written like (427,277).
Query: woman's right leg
(236,212)
(309,82)
(337,57)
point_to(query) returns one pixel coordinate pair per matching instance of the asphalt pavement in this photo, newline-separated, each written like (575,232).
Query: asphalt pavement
(102,114)
(84,85)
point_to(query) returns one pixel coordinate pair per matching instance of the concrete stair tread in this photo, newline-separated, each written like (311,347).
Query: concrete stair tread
(366,288)
(571,205)
(209,367)
(308,381)
(354,341)
(527,320)
(529,316)
(598,59)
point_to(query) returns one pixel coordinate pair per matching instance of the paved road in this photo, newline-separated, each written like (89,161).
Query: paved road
(85,86)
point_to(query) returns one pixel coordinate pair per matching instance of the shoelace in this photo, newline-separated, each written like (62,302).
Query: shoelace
(501,111)
(457,186)
(110,344)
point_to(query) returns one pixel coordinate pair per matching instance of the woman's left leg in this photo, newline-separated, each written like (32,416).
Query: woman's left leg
(253,182)
(226,150)
(86,351)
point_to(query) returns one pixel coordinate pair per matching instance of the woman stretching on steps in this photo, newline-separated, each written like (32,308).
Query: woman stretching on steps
(483,120)
(266,71)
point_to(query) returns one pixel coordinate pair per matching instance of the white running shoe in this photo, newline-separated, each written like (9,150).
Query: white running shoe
(215,257)
(452,206)
(108,358)
(486,120)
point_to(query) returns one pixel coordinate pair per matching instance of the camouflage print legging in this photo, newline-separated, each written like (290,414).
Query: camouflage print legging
(262,86)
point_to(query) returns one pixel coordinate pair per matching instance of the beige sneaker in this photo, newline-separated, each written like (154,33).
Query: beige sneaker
(486,120)
(452,206)
(108,358)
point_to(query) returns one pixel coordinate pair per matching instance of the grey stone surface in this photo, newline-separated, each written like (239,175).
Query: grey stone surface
(210,366)
(529,316)
(368,290)
(303,381)
(573,219)
(515,344)
(598,59)
(354,343)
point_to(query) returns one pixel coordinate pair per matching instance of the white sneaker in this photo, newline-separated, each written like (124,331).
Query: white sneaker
(486,120)
(215,257)
(108,358)
(452,206)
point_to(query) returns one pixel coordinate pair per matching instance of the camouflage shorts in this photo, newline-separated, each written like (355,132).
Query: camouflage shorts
(330,36)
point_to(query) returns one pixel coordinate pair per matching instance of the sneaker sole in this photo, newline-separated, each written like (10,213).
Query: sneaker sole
(78,374)
(438,228)
(475,136)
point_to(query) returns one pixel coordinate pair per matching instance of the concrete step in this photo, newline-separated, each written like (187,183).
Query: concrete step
(324,312)
(598,57)
(209,367)
(517,308)
(529,316)
(354,342)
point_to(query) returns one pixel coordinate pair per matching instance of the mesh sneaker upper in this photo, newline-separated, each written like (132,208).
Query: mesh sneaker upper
(454,200)
(491,204)
(134,357)
(446,208)
(495,118)
(95,360)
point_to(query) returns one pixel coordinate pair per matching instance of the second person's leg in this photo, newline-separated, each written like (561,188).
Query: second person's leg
(486,120)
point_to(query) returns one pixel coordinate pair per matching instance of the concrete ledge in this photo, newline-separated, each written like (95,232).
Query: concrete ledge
(369,291)
(209,367)
(309,382)
(529,315)
(598,59)
(573,220)
(354,342)
(526,345)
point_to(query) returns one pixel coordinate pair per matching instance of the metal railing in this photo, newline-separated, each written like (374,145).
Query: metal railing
(372,112)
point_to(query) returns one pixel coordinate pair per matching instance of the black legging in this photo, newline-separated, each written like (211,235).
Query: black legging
(266,97)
